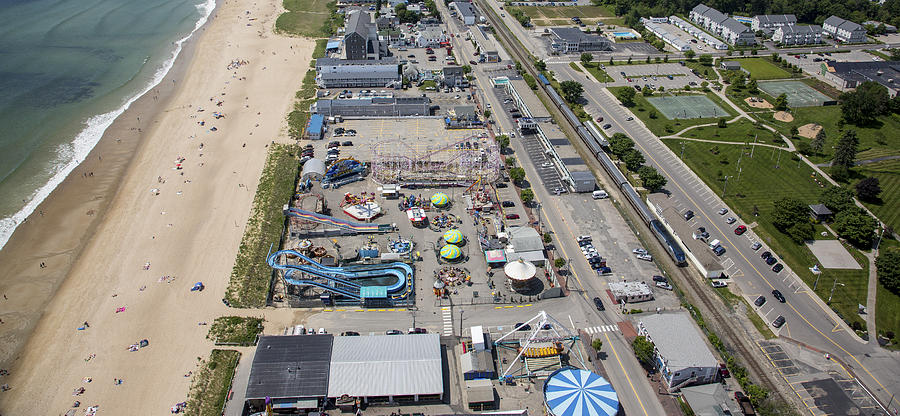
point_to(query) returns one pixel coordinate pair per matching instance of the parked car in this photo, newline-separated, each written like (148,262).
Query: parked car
(777,294)
(645,257)
(730,220)
(599,304)
(723,371)
(640,250)
(766,255)
(761,300)
(607,126)
(659,278)
(740,229)
(663,285)
(349,334)
(778,322)
(523,327)
(393,332)
(347,143)
(719,283)
(771,260)
(417,331)
(507,204)
(719,250)
(777,268)
(688,215)
(322,331)
(331,144)
(755,246)
(629,118)
(547,327)
(604,270)
(723,211)
(512,216)
(600,119)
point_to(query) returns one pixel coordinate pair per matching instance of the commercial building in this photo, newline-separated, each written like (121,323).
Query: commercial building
(584,180)
(315,128)
(465,12)
(462,117)
(349,74)
(485,46)
(848,75)
(526,100)
(844,30)
(361,37)
(710,400)
(887,28)
(454,76)
(732,31)
(374,107)
(292,371)
(573,40)
(630,292)
(697,33)
(798,35)
(661,32)
(524,243)
(680,353)
(769,22)
(430,37)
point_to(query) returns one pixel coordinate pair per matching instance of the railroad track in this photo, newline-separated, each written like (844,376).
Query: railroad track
(712,313)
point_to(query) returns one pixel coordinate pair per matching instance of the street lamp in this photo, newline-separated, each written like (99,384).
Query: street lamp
(832,289)
(725,187)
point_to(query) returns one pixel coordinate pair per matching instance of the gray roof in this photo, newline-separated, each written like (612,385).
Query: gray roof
(453,71)
(842,23)
(479,391)
(385,365)
(359,21)
(525,239)
(290,366)
(387,60)
(735,26)
(678,341)
(731,65)
(465,8)
(582,175)
(886,73)
(572,34)
(776,18)
(801,29)
(464,111)
(359,71)
(480,361)
(711,14)
(313,166)
(820,209)
(709,400)
(851,26)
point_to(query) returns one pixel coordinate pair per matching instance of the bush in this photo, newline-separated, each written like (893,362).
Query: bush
(235,330)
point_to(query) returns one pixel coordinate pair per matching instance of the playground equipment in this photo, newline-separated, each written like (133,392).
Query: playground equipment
(456,164)
(374,285)
(311,221)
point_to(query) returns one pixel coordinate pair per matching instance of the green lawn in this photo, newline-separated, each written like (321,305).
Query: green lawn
(310,18)
(761,184)
(704,71)
(887,312)
(661,126)
(211,382)
(888,174)
(743,131)
(599,74)
(763,68)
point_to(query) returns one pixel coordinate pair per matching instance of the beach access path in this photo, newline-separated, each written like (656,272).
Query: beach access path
(152,246)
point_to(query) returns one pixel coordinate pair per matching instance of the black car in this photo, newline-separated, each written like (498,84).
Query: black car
(777,294)
(777,268)
(660,279)
(393,332)
(599,304)
(347,143)
(502,184)
(546,326)
(507,204)
(765,255)
(607,125)
(350,334)
(688,215)
(760,301)
(771,260)
(778,322)
(524,327)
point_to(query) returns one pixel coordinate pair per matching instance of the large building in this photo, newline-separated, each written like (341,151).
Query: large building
(848,75)
(374,107)
(697,33)
(661,32)
(301,373)
(572,40)
(732,31)
(354,74)
(361,37)
(431,37)
(681,355)
(465,12)
(798,35)
(769,22)
(844,30)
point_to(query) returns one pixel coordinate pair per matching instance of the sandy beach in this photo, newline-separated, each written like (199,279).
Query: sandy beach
(160,204)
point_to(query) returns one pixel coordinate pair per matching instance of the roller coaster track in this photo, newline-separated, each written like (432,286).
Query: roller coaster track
(711,309)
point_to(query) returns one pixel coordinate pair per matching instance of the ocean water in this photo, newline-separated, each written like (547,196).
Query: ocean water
(68,68)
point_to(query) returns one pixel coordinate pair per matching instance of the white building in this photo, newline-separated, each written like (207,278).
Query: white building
(430,37)
(732,31)
(630,292)
(661,32)
(798,35)
(769,22)
(681,354)
(465,11)
(844,30)
(697,33)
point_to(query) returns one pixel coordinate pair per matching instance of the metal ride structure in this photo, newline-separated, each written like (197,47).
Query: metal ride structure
(544,329)
(460,163)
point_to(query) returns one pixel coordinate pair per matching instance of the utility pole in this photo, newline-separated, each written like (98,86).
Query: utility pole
(460,321)
(778,162)
(682,150)
(725,188)
(832,289)
(753,149)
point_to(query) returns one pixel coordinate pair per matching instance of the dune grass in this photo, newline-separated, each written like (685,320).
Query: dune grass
(211,383)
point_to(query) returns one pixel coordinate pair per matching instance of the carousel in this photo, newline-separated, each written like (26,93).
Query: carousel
(440,200)
(400,246)
(519,273)
(451,253)
(447,277)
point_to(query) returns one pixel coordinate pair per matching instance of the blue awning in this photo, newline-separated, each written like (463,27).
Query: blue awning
(333,44)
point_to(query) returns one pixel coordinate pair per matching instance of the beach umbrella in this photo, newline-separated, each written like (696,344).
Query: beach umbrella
(440,199)
(575,392)
(453,236)
(450,252)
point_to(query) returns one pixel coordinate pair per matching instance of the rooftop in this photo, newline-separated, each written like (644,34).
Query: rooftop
(525,239)
(465,8)
(630,288)
(820,209)
(290,366)
(801,29)
(678,341)
(386,365)
(776,18)
(573,34)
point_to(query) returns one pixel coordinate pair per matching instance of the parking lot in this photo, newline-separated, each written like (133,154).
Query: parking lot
(653,74)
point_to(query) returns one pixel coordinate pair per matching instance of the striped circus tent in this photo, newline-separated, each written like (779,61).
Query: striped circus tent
(576,392)
(440,199)
(453,236)
(450,252)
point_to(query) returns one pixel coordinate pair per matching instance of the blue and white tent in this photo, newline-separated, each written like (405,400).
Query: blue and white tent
(576,392)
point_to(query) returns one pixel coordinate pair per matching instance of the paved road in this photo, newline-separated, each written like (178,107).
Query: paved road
(809,320)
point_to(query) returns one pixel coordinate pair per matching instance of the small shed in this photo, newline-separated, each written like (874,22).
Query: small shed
(477,365)
(584,180)
(315,130)
(480,394)
(731,65)
(819,212)
(313,170)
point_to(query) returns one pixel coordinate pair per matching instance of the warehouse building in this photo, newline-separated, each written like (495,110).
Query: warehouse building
(525,243)
(290,370)
(465,12)
(573,40)
(848,75)
(798,35)
(661,32)
(681,354)
(844,30)
(374,107)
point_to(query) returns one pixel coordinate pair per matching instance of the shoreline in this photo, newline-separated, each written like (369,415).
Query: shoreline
(62,225)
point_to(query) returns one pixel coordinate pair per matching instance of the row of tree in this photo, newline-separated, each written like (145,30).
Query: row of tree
(623,147)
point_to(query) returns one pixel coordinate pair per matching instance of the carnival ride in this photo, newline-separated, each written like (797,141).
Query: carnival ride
(395,279)
(312,220)
(548,338)
(459,163)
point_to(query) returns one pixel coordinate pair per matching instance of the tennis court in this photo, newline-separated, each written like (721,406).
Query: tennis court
(798,93)
(687,106)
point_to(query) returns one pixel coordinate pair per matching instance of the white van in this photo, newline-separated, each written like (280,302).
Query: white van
(601,194)
(713,244)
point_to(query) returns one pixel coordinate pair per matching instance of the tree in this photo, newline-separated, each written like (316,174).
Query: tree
(895,54)
(503,141)
(487,113)
(722,123)
(818,143)
(705,59)
(862,106)
(868,189)
(666,58)
(611,63)
(643,350)
(540,65)
(629,60)
(586,58)
(597,344)
(646,91)
(527,196)
(888,265)
(619,144)
(466,69)
(690,54)
(626,96)
(856,226)
(651,179)
(781,103)
(547,238)
(517,174)
(652,114)
(836,198)
(791,216)
(633,160)
(571,90)
(559,262)
(510,162)
(752,86)
(845,151)
(648,59)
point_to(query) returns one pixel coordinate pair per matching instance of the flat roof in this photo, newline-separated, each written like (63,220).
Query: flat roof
(315,124)
(386,365)
(532,102)
(290,366)
(684,231)
(480,391)
(678,341)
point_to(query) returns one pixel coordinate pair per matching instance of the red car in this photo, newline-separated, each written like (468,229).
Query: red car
(740,229)
(512,216)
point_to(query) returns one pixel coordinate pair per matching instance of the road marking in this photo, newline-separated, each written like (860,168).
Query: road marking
(837,328)
(448,321)
(625,372)
(601,329)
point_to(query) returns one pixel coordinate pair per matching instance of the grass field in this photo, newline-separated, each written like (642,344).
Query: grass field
(763,68)
(567,12)
(888,174)
(742,131)
(760,184)
(600,75)
(661,126)
(310,18)
(887,312)
(704,71)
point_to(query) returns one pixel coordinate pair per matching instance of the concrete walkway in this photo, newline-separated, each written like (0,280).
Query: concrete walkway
(863,162)
(871,297)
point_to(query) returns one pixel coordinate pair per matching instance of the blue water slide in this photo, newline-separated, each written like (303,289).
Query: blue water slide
(340,291)
(401,271)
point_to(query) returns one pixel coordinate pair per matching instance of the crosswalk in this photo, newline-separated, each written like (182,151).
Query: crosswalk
(448,321)
(601,329)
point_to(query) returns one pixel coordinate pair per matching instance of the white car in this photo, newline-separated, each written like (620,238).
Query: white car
(640,251)
(664,285)
(645,257)
(730,220)
(719,283)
